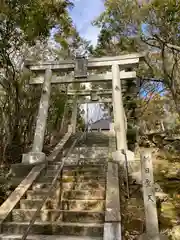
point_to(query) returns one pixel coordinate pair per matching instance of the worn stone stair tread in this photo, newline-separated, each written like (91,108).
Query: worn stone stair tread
(82,175)
(92,191)
(87,179)
(49,180)
(82,200)
(38,194)
(93,147)
(49,228)
(85,185)
(25,203)
(25,215)
(97,173)
(72,167)
(85,168)
(42,191)
(46,185)
(85,162)
(60,223)
(90,158)
(59,210)
(47,237)
(86,204)
(81,194)
(73,178)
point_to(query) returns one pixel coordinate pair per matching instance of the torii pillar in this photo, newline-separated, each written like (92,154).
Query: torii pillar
(36,155)
(119,117)
(74,114)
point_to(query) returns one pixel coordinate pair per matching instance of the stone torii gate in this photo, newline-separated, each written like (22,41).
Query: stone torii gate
(78,71)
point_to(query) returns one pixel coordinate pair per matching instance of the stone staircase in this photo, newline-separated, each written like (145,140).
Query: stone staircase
(76,207)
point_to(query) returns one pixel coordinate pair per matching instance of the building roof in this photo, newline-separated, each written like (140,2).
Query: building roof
(101,124)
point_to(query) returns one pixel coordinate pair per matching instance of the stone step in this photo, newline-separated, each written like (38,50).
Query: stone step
(91,154)
(90,150)
(84,165)
(33,204)
(49,179)
(49,228)
(85,185)
(81,205)
(86,177)
(85,170)
(38,194)
(85,161)
(47,237)
(78,171)
(84,194)
(73,194)
(24,215)
(84,147)
(88,167)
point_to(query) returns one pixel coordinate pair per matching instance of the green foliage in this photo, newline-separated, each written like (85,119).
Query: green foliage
(72,44)
(24,26)
(151,26)
(33,18)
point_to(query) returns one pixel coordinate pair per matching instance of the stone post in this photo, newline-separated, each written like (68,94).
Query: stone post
(36,155)
(152,228)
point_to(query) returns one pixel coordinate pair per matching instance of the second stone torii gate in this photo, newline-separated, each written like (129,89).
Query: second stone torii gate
(76,72)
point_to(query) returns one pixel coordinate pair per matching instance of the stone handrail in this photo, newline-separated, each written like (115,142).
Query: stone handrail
(112,225)
(18,193)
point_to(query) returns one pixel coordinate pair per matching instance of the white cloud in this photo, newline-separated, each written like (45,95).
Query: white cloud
(84,12)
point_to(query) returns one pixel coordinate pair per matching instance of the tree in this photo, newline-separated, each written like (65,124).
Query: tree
(23,26)
(73,45)
(153,26)
(150,26)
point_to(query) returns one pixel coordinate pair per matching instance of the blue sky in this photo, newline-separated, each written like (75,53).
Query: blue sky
(84,12)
